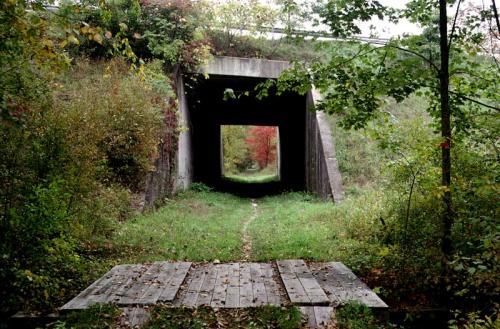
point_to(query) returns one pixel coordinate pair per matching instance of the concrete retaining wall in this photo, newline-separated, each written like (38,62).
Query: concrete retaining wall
(322,173)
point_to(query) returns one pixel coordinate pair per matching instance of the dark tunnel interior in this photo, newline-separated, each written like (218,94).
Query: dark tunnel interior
(208,111)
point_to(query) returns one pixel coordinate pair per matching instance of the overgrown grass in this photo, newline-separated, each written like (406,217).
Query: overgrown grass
(296,225)
(197,226)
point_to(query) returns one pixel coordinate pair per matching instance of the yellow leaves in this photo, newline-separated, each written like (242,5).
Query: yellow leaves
(108,35)
(384,252)
(97,38)
(440,191)
(123,26)
(73,40)
(28,275)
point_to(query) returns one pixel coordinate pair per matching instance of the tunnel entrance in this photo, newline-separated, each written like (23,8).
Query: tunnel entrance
(210,112)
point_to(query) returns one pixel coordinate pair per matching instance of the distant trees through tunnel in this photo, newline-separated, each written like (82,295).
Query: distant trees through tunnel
(250,154)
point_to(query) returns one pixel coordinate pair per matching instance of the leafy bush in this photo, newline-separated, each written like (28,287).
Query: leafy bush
(356,316)
(168,31)
(67,167)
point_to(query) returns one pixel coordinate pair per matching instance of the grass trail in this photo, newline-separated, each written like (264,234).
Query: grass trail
(205,226)
(298,226)
(196,226)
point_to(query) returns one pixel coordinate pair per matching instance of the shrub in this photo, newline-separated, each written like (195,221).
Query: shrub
(66,170)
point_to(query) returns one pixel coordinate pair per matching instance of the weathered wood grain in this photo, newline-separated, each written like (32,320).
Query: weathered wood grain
(272,287)
(208,285)
(139,286)
(233,287)
(197,278)
(323,315)
(153,292)
(309,315)
(220,290)
(135,317)
(101,289)
(172,287)
(258,286)
(294,288)
(301,286)
(343,286)
(246,291)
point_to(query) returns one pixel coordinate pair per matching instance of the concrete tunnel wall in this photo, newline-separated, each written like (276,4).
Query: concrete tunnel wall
(307,151)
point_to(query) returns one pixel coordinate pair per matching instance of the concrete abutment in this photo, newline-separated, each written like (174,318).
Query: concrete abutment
(307,153)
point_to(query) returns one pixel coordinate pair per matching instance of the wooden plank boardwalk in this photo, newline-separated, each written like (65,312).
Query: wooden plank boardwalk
(317,288)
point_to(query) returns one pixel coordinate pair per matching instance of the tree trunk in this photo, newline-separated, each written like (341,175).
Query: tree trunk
(445,128)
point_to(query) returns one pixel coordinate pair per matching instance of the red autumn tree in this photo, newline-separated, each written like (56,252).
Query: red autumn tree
(262,143)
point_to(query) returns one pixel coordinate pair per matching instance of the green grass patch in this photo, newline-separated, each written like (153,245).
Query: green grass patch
(357,316)
(296,225)
(203,317)
(196,226)
(257,179)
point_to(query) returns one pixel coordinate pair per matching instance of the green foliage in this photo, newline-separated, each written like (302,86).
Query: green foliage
(356,316)
(97,316)
(67,166)
(168,31)
(203,317)
(235,150)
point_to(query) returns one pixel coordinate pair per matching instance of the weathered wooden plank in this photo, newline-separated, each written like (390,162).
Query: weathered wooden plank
(272,287)
(81,300)
(294,288)
(220,289)
(173,285)
(258,286)
(193,290)
(246,291)
(135,317)
(309,315)
(153,292)
(139,286)
(122,283)
(207,288)
(233,287)
(323,315)
(310,284)
(343,286)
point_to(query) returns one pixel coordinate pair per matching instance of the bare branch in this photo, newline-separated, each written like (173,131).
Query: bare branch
(454,25)
(475,101)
